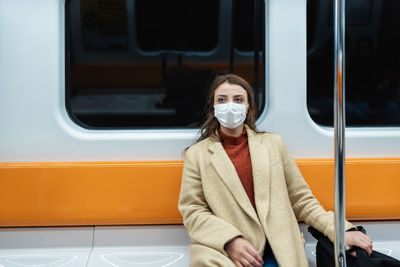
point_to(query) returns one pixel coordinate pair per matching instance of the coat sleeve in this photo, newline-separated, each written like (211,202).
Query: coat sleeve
(203,226)
(305,206)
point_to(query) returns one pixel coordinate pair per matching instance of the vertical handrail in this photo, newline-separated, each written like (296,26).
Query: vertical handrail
(256,37)
(232,43)
(340,124)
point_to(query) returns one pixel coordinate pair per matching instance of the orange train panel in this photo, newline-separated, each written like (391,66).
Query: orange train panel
(116,193)
(372,186)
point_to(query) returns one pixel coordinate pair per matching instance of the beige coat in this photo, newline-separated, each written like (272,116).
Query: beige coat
(216,209)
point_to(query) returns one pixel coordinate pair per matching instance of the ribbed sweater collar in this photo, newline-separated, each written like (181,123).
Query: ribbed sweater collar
(228,140)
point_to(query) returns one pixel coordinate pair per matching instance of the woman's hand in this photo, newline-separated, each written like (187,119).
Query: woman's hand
(358,239)
(243,253)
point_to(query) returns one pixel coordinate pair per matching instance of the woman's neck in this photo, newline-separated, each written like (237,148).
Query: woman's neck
(232,132)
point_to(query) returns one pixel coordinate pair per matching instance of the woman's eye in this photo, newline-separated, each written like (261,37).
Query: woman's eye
(239,100)
(220,100)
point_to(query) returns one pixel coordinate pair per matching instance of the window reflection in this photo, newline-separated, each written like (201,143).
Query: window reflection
(372,63)
(104,25)
(148,63)
(176,25)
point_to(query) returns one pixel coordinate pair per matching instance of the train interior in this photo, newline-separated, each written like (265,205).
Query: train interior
(133,64)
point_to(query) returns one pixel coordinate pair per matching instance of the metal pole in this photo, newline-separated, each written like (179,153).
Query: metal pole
(232,43)
(256,48)
(340,124)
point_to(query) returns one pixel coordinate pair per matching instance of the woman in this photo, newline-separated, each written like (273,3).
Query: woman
(241,190)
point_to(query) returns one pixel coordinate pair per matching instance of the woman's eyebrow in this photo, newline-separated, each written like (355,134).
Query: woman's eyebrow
(226,95)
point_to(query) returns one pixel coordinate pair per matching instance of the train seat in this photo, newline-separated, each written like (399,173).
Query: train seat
(152,245)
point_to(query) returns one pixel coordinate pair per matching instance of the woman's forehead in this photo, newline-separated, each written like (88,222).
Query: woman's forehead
(230,89)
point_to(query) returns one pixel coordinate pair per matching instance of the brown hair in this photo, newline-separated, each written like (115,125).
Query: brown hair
(211,124)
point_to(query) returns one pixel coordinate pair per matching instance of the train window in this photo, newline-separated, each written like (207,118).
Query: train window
(149,63)
(176,25)
(244,20)
(104,26)
(372,62)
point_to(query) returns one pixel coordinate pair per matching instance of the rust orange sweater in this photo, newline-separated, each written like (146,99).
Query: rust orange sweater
(237,149)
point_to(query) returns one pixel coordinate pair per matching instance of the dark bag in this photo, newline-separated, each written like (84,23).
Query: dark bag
(326,254)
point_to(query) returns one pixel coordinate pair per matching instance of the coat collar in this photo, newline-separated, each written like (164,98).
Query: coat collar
(259,154)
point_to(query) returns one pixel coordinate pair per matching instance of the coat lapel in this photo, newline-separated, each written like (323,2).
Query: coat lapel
(260,163)
(227,172)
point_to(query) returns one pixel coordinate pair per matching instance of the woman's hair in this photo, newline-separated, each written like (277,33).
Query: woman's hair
(211,124)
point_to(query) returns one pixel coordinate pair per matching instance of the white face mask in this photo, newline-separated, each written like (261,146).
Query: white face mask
(230,115)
